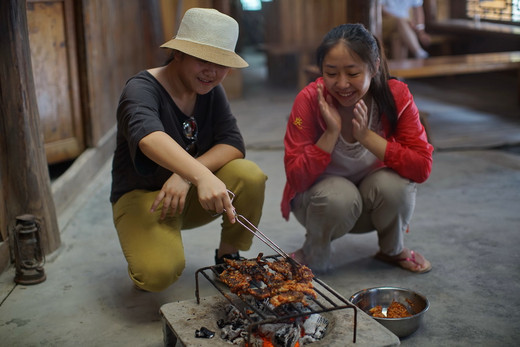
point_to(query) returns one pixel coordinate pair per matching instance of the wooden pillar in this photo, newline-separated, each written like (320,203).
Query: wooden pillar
(364,12)
(24,173)
(375,19)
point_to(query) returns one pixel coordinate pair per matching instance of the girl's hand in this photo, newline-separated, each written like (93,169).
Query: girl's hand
(214,196)
(329,112)
(360,121)
(173,196)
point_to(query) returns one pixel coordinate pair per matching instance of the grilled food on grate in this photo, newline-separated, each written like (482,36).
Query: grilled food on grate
(280,281)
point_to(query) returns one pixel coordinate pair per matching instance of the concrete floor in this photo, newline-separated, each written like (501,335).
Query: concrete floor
(466,223)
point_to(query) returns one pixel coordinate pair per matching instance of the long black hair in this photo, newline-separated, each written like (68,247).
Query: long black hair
(362,42)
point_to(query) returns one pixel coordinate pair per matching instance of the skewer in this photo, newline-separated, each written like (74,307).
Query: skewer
(255,231)
(240,219)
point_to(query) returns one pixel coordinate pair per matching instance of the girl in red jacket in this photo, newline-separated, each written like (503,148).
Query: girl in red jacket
(354,151)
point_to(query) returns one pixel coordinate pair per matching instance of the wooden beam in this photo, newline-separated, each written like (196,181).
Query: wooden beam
(24,173)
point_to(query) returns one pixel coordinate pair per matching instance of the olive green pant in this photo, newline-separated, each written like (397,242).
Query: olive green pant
(334,206)
(153,247)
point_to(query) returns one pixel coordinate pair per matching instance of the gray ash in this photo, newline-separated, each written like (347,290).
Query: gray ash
(303,330)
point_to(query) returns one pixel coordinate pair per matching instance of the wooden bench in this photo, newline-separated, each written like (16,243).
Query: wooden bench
(464,27)
(447,66)
(455,64)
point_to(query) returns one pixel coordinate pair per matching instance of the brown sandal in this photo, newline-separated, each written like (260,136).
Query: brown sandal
(418,267)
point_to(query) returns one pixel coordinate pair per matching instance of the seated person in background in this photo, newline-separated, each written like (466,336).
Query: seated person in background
(410,30)
(178,152)
(355,151)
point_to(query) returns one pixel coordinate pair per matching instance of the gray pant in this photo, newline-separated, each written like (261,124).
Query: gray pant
(334,206)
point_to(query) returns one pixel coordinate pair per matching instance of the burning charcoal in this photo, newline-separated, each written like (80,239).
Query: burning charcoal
(240,340)
(232,313)
(287,336)
(229,333)
(281,334)
(234,327)
(315,327)
(293,309)
(204,333)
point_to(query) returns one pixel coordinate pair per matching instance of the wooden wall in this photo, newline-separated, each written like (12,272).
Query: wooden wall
(173,10)
(293,30)
(52,39)
(302,23)
(115,39)
(83,51)
(119,38)
(25,184)
(294,23)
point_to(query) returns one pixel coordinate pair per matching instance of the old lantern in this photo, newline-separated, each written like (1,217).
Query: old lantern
(28,253)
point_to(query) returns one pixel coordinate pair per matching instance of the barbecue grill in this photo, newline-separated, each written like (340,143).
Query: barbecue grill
(177,317)
(327,300)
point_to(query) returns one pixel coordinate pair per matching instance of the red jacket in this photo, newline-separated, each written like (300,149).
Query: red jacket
(408,151)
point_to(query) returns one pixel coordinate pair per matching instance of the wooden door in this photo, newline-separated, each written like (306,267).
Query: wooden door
(52,39)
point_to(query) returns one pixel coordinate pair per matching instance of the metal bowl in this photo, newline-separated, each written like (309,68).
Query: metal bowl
(415,303)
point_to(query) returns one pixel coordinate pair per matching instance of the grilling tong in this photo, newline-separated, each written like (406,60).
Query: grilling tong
(255,231)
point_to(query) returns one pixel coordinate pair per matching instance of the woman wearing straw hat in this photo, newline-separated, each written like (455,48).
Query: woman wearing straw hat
(179,151)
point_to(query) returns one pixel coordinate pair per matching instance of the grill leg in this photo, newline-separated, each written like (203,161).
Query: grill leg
(169,337)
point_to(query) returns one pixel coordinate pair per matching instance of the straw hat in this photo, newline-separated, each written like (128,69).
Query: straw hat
(209,35)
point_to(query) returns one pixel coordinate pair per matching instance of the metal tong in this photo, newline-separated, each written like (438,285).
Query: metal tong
(255,231)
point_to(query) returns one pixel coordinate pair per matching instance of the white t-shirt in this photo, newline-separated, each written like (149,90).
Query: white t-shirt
(352,160)
(400,8)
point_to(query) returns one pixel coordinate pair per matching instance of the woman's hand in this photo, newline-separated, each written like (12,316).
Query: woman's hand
(212,192)
(329,112)
(214,196)
(360,121)
(173,195)
(372,141)
(332,119)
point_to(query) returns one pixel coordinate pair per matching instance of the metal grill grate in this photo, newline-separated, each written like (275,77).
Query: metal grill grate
(327,300)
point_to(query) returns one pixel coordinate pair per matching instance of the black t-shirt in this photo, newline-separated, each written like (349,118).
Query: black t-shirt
(144,107)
